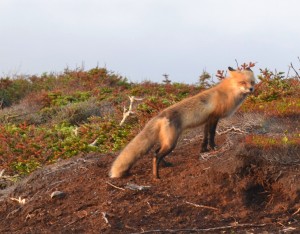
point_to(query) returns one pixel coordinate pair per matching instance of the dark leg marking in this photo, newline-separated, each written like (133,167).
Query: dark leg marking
(209,134)
(205,139)
(212,133)
(164,163)
(159,157)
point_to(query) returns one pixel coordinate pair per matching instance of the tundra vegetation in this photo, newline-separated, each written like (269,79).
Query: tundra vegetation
(52,117)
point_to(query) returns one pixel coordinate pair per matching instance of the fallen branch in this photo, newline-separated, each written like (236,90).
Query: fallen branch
(202,206)
(19,200)
(115,186)
(296,212)
(220,150)
(104,216)
(94,143)
(126,112)
(288,229)
(295,71)
(231,129)
(243,225)
(10,178)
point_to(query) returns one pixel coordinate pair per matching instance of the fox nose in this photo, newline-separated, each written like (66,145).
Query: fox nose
(251,89)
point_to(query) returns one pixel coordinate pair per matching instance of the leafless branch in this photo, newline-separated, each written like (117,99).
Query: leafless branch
(295,70)
(242,225)
(19,200)
(6,177)
(202,206)
(231,129)
(104,215)
(296,212)
(115,186)
(237,64)
(288,72)
(126,112)
(94,143)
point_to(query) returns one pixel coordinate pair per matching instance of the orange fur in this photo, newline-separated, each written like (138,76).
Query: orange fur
(206,108)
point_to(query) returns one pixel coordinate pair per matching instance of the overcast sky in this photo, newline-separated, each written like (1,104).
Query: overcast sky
(142,39)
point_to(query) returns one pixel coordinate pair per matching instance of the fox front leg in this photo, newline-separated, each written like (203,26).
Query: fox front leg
(212,133)
(209,135)
(205,139)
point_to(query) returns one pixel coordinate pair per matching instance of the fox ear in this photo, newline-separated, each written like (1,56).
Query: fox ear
(248,69)
(231,69)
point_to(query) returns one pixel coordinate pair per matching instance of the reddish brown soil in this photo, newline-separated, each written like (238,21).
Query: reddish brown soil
(237,191)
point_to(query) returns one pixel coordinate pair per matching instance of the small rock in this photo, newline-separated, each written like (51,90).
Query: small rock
(58,194)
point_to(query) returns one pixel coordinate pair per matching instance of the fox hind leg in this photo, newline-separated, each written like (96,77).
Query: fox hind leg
(168,139)
(160,158)
(163,162)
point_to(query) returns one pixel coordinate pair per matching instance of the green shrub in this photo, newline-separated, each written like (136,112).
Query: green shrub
(272,86)
(13,90)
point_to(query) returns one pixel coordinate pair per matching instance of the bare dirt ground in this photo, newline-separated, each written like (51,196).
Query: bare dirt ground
(233,190)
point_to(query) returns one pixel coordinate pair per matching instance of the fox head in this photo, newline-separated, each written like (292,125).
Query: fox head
(243,81)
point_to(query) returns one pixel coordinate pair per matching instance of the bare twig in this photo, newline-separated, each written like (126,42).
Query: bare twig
(94,143)
(19,200)
(104,215)
(115,186)
(277,177)
(10,178)
(13,212)
(202,206)
(288,72)
(296,212)
(237,64)
(231,129)
(126,112)
(243,225)
(224,147)
(295,70)
(288,229)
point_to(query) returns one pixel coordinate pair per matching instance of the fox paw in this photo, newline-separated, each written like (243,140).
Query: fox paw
(204,149)
(214,147)
(164,163)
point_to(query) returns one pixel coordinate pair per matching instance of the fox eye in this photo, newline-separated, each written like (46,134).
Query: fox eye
(243,82)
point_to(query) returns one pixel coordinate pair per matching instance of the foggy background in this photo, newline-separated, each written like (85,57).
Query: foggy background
(142,39)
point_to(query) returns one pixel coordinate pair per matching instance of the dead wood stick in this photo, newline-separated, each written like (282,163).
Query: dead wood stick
(295,71)
(230,129)
(202,206)
(296,212)
(243,225)
(128,112)
(104,216)
(19,200)
(115,186)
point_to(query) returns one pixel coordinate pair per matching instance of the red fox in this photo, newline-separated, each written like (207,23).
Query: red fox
(206,108)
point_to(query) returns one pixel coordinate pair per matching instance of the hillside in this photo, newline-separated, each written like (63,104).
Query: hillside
(61,132)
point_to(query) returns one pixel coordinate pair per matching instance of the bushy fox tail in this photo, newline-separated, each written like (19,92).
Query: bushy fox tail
(139,146)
